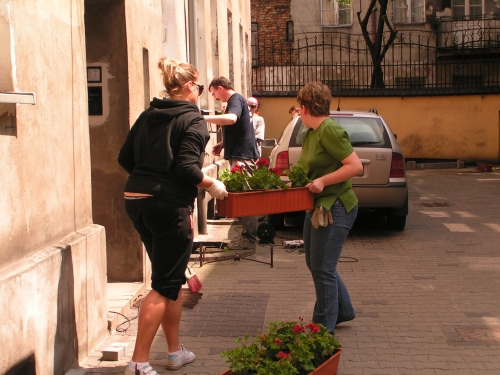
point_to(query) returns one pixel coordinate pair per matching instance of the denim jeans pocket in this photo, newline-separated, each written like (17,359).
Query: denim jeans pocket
(341,217)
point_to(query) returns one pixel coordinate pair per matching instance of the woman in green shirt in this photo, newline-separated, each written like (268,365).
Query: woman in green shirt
(332,162)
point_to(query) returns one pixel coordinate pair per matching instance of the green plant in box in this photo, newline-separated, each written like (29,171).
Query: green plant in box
(234,179)
(288,348)
(298,175)
(265,178)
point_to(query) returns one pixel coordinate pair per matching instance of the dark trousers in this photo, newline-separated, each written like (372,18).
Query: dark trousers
(166,230)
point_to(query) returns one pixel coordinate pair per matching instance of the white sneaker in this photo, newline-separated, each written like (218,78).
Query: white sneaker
(146,370)
(176,361)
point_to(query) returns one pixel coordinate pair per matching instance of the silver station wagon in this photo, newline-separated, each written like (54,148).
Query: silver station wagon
(381,187)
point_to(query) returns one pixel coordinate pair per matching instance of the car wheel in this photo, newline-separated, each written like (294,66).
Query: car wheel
(277,221)
(396,222)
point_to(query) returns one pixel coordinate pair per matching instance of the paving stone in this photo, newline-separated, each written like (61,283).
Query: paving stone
(411,289)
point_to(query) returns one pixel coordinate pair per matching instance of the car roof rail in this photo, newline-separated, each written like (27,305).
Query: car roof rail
(373,110)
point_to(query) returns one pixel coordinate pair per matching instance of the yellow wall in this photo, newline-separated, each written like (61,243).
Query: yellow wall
(439,127)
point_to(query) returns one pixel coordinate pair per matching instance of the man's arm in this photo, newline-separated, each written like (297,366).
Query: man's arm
(226,119)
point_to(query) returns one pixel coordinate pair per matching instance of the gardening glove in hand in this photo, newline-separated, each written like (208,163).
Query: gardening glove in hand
(321,217)
(217,190)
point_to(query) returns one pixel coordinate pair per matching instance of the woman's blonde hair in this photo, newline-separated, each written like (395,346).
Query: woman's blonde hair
(175,75)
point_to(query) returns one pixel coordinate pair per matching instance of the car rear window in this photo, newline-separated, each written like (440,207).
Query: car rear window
(362,131)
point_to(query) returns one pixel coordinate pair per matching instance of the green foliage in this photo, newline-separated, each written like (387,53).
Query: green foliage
(344,3)
(298,175)
(235,181)
(264,179)
(288,348)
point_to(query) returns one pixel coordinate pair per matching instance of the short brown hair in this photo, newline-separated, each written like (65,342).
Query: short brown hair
(316,97)
(221,81)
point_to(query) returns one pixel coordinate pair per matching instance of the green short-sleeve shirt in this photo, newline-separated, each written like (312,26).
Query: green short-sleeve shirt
(322,152)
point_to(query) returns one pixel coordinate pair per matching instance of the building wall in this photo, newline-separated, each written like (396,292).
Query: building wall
(214,36)
(125,39)
(52,284)
(458,127)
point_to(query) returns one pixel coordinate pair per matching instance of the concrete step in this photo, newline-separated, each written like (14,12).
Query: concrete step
(121,298)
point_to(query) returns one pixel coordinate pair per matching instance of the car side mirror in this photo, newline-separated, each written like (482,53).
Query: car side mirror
(271,142)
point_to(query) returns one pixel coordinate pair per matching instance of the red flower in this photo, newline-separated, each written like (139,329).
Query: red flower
(277,341)
(237,169)
(298,328)
(283,355)
(262,162)
(313,327)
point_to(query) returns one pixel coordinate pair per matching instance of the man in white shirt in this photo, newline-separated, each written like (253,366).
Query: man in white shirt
(258,122)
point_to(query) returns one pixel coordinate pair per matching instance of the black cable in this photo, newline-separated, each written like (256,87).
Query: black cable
(123,330)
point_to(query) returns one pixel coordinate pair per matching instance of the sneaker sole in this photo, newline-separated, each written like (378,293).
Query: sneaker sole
(176,367)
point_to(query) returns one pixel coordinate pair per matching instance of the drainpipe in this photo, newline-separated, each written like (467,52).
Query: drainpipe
(193,57)
(193,33)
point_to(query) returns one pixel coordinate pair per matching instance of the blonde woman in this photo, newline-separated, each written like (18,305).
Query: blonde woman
(163,154)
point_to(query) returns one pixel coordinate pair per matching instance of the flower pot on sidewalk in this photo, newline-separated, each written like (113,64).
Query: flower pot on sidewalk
(264,202)
(329,367)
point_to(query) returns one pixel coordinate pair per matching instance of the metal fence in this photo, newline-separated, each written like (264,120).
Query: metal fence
(417,63)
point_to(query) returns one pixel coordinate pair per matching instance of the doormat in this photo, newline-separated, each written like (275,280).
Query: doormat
(190,299)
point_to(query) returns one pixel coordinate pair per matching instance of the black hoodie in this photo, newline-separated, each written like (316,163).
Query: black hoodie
(164,151)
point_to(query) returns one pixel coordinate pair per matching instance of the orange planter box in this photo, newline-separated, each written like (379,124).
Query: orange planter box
(329,367)
(264,202)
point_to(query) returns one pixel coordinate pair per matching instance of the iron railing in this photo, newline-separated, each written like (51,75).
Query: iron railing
(467,33)
(417,63)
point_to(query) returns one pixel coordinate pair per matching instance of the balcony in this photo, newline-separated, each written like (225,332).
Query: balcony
(467,35)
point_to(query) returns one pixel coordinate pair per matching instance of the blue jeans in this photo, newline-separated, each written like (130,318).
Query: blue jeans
(323,247)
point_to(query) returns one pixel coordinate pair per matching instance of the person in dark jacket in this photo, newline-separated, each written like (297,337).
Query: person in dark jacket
(163,154)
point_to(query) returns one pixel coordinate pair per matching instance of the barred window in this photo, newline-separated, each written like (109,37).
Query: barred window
(336,13)
(254,41)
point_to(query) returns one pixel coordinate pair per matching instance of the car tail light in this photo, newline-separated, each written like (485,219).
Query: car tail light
(397,165)
(282,163)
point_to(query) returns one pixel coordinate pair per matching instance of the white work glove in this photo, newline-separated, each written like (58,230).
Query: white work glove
(321,217)
(217,190)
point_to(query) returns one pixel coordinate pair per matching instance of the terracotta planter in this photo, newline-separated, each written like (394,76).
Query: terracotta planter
(265,202)
(329,367)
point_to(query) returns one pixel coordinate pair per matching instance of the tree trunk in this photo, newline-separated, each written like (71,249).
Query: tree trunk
(377,48)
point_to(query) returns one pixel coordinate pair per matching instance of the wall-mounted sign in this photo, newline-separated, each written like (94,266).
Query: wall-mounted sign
(95,100)
(94,74)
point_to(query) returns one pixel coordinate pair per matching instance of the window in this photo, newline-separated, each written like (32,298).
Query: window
(289,31)
(336,13)
(463,8)
(255,44)
(409,11)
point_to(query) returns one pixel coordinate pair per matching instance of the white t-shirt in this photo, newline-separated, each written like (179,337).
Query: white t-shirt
(259,127)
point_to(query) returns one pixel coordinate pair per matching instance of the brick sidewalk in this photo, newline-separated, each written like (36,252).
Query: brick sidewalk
(426,298)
